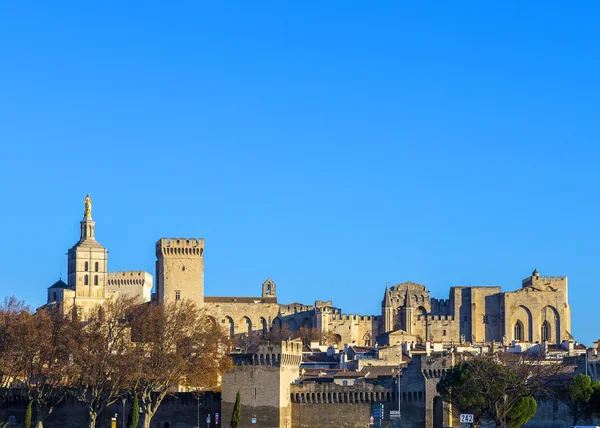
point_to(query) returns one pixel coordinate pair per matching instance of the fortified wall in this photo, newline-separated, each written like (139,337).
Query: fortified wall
(132,284)
(262,377)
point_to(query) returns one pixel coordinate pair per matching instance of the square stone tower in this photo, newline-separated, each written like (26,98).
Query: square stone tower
(180,270)
(263,377)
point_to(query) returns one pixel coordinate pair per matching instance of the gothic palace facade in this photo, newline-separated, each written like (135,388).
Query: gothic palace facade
(538,311)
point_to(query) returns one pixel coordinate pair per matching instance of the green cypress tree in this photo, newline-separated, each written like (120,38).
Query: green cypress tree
(134,413)
(27,420)
(237,412)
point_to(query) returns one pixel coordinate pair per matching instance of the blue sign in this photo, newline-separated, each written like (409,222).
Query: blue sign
(378,411)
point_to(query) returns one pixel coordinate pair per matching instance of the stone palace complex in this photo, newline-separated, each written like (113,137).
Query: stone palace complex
(277,375)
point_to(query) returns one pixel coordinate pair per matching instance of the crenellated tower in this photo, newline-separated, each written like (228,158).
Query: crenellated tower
(263,377)
(180,269)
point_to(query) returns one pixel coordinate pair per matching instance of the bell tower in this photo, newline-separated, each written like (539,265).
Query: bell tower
(87,260)
(268,288)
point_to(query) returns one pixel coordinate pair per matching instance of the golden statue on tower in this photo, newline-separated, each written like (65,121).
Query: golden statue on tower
(87,212)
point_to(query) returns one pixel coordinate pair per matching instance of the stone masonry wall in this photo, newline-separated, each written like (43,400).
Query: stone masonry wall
(180,411)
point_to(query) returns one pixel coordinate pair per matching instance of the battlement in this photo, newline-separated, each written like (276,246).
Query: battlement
(434,318)
(544,280)
(331,393)
(293,308)
(180,246)
(128,278)
(321,303)
(354,317)
(284,353)
(551,278)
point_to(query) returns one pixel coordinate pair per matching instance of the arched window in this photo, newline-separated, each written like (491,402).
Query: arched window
(96,267)
(263,327)
(86,266)
(248,323)
(546,331)
(518,333)
(95,279)
(231,326)
(86,280)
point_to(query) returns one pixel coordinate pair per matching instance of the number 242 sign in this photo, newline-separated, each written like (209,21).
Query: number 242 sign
(467,418)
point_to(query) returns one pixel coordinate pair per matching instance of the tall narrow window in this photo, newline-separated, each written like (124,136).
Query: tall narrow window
(96,267)
(95,279)
(86,280)
(546,331)
(177,295)
(485,319)
(518,330)
(87,266)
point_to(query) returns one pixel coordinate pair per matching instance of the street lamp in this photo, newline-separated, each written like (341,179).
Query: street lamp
(198,406)
(399,372)
(124,399)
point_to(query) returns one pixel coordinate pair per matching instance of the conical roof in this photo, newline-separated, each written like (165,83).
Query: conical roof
(407,302)
(387,299)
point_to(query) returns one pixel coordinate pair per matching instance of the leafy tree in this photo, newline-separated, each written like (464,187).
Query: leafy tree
(490,390)
(27,418)
(461,387)
(134,413)
(236,416)
(523,411)
(577,394)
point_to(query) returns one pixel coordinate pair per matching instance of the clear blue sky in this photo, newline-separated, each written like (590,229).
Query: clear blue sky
(333,148)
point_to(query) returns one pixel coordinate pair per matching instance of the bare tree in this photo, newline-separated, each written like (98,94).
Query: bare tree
(43,360)
(245,342)
(176,348)
(102,356)
(329,338)
(10,311)
(308,335)
(277,334)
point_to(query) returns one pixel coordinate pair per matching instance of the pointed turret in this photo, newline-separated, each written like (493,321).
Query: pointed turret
(408,313)
(407,302)
(387,299)
(387,310)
